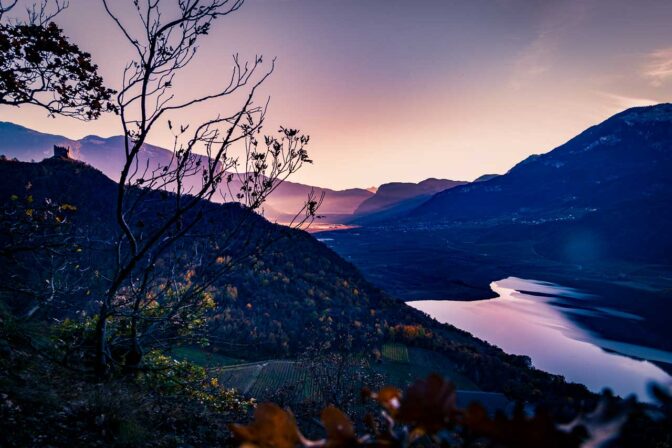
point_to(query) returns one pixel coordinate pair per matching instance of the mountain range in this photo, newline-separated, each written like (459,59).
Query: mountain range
(610,183)
(338,206)
(394,198)
(106,154)
(592,214)
(605,193)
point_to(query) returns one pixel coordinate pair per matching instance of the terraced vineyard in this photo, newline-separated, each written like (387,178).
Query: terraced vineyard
(241,377)
(266,379)
(286,377)
(395,352)
(400,366)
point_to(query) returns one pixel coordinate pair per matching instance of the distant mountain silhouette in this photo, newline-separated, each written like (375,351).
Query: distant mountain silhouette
(609,188)
(395,193)
(393,211)
(106,154)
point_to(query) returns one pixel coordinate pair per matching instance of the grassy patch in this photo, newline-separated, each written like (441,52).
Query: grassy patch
(204,358)
(402,366)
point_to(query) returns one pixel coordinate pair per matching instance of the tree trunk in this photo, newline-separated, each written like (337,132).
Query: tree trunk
(101,361)
(134,355)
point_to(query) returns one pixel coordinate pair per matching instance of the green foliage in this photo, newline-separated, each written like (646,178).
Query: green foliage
(167,375)
(68,334)
(36,240)
(160,372)
(48,399)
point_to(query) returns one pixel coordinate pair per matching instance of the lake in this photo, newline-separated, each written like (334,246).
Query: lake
(532,318)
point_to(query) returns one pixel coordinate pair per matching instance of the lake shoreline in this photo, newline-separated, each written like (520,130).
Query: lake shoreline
(534,325)
(433,265)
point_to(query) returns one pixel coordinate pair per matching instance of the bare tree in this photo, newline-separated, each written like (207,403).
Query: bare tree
(339,367)
(204,164)
(39,14)
(6,6)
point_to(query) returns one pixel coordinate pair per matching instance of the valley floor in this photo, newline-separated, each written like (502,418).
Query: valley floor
(438,264)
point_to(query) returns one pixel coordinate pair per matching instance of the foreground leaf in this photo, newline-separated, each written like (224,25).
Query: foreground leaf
(272,427)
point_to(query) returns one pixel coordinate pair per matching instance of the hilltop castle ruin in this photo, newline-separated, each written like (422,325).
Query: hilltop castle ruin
(62,152)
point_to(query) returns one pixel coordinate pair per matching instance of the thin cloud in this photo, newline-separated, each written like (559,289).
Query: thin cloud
(658,69)
(617,103)
(538,57)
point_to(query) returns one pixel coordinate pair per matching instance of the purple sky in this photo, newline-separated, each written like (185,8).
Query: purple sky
(404,90)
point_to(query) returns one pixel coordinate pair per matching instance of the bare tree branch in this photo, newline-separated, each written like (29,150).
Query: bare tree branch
(189,180)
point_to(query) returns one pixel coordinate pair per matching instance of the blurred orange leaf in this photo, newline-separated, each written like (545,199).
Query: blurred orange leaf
(340,430)
(272,427)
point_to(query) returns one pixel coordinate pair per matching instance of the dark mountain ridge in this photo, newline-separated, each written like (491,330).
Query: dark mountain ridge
(317,273)
(611,183)
(486,177)
(626,157)
(106,154)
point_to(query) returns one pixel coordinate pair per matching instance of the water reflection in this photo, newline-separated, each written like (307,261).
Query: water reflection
(532,323)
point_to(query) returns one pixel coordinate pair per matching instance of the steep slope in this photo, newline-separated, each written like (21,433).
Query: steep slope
(391,194)
(294,294)
(317,274)
(605,193)
(594,210)
(627,157)
(106,154)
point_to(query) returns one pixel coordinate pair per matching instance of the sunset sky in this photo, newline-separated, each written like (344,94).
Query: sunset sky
(404,90)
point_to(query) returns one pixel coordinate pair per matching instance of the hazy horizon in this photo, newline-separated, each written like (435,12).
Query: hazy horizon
(393,91)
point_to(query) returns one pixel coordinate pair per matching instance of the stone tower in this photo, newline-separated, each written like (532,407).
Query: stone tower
(62,152)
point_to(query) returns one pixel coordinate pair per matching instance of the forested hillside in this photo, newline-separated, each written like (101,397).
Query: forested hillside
(288,295)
